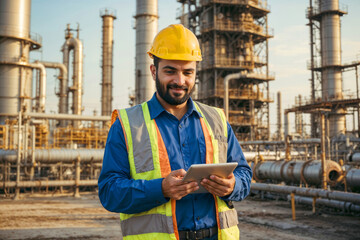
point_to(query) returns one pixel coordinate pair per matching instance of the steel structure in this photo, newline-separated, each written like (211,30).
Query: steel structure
(234,39)
(75,45)
(146,26)
(108,16)
(16,42)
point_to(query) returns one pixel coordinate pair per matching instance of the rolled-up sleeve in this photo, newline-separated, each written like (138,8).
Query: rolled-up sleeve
(118,192)
(242,172)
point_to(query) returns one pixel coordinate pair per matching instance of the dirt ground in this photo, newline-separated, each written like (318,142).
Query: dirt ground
(65,217)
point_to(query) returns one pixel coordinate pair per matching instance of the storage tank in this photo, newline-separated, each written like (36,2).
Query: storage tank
(15,46)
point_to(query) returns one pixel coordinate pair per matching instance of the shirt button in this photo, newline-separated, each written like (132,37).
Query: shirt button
(198,218)
(180,126)
(183,144)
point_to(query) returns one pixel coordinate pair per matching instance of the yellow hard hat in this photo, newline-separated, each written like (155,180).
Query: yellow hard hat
(176,43)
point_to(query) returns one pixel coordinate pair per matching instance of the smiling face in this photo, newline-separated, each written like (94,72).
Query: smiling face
(175,80)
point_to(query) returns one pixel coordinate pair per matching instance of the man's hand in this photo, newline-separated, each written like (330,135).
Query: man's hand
(219,186)
(173,187)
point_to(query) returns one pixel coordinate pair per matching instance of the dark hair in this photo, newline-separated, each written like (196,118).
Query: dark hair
(156,61)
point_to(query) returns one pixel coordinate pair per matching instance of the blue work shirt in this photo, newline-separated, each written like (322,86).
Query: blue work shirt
(185,145)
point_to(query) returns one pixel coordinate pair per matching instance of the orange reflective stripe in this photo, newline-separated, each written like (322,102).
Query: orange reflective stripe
(209,156)
(114,115)
(217,216)
(173,210)
(163,156)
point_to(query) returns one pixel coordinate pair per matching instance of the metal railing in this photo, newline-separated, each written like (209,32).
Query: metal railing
(237,26)
(315,10)
(256,3)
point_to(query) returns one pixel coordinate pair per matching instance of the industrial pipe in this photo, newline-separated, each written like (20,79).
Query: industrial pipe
(286,123)
(293,142)
(51,183)
(42,88)
(297,171)
(63,83)
(353,177)
(342,205)
(226,89)
(74,44)
(60,116)
(309,192)
(57,155)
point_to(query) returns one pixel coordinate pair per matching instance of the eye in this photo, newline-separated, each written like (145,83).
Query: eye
(169,71)
(188,73)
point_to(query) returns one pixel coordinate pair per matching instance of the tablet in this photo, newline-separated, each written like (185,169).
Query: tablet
(197,172)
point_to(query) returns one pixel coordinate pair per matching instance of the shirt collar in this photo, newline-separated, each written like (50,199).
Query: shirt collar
(155,108)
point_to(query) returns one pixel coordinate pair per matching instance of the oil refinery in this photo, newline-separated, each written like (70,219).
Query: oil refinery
(312,157)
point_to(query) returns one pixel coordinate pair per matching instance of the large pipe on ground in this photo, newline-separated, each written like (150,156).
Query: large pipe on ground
(308,192)
(51,183)
(146,29)
(56,155)
(108,17)
(342,205)
(297,171)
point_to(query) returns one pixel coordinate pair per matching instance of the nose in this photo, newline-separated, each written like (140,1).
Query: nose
(180,79)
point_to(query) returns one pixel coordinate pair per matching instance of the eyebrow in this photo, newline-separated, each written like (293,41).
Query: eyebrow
(173,68)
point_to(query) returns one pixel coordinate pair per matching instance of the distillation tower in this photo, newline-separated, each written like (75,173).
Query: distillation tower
(234,39)
(146,25)
(108,17)
(16,42)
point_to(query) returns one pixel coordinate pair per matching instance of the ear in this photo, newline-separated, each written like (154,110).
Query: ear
(153,71)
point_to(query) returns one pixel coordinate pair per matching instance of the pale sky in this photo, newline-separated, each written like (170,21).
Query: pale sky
(289,49)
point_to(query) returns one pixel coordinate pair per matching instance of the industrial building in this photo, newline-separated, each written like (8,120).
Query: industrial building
(234,39)
(63,152)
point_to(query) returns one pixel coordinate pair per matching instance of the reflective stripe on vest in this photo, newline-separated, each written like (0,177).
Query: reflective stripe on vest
(148,159)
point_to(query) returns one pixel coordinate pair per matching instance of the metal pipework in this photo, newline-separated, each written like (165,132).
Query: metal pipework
(297,171)
(279,118)
(286,124)
(293,142)
(108,17)
(52,183)
(146,29)
(15,46)
(40,105)
(56,155)
(61,116)
(342,205)
(308,192)
(74,44)
(353,177)
(63,83)
(226,89)
(355,157)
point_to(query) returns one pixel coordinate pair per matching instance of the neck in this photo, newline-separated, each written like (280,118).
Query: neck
(177,110)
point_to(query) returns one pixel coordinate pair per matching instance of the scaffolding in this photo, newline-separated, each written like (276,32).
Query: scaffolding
(90,138)
(234,38)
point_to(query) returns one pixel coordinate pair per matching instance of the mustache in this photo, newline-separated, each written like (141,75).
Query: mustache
(174,85)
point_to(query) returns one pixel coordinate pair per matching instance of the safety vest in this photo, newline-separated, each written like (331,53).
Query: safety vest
(148,159)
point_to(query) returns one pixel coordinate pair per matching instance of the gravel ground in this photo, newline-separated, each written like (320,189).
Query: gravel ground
(65,217)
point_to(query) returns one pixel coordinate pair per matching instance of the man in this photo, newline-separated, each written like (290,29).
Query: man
(150,147)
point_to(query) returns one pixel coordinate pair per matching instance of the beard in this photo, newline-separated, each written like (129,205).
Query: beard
(164,92)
